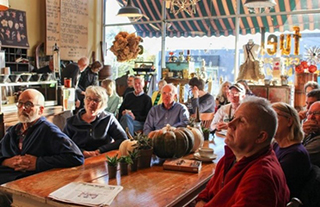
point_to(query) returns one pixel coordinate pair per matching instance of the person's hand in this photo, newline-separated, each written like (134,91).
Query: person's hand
(200,204)
(195,92)
(77,103)
(87,154)
(131,114)
(27,163)
(12,162)
(83,93)
(221,125)
(302,115)
(310,126)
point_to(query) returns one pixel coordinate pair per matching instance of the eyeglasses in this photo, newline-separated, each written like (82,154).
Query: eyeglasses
(316,113)
(27,105)
(167,94)
(96,100)
(234,94)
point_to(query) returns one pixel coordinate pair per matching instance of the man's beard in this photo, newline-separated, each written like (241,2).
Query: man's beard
(28,118)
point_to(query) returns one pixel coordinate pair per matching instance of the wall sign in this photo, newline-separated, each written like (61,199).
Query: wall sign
(13,28)
(67,25)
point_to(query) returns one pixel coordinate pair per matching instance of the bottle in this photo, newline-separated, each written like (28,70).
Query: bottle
(56,59)
(197,121)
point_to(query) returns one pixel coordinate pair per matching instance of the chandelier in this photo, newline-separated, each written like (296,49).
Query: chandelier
(177,6)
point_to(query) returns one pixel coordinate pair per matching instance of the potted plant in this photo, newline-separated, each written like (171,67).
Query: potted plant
(112,165)
(145,150)
(124,162)
(206,133)
(134,158)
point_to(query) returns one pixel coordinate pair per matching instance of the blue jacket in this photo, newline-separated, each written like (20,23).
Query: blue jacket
(99,134)
(44,140)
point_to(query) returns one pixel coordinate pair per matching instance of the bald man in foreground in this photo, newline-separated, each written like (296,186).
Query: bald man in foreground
(34,144)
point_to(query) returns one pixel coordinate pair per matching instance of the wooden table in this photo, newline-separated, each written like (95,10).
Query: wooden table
(146,187)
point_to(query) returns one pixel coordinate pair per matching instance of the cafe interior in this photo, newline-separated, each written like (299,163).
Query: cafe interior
(174,40)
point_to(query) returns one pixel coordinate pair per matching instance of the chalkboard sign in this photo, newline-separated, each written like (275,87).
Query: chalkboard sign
(13,28)
(67,25)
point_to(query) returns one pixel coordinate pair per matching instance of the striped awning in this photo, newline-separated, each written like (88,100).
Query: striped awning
(217,17)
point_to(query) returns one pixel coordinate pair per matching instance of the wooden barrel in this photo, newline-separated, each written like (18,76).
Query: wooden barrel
(299,95)
(105,72)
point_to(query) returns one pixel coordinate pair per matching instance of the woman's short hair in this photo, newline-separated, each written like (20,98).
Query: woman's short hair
(99,92)
(197,82)
(96,65)
(288,111)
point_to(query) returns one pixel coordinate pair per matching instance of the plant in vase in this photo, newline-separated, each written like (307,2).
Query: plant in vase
(124,162)
(134,158)
(206,133)
(112,165)
(145,150)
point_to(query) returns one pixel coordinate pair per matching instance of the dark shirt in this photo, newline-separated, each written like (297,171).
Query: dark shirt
(296,165)
(45,69)
(139,105)
(104,133)
(205,104)
(87,78)
(53,149)
(71,71)
(312,144)
(128,90)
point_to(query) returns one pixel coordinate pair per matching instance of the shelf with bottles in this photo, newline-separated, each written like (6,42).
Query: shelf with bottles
(16,58)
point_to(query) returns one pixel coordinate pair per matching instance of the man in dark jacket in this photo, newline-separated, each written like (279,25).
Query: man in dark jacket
(73,70)
(34,144)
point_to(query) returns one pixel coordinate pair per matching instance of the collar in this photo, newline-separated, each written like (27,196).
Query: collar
(173,104)
(134,92)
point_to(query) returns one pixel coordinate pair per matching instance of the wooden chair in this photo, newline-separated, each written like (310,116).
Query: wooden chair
(206,119)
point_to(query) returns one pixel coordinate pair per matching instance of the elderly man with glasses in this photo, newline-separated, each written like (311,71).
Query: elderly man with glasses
(225,113)
(169,112)
(311,127)
(34,144)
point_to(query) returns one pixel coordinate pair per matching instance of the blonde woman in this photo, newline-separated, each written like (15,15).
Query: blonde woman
(292,155)
(113,98)
(222,97)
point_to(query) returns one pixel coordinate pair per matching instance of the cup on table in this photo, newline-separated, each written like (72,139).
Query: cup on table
(205,152)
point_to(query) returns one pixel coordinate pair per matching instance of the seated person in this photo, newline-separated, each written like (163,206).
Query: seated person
(156,96)
(226,112)
(312,96)
(249,173)
(113,98)
(135,107)
(130,83)
(200,99)
(73,70)
(92,129)
(88,77)
(46,69)
(292,155)
(222,97)
(34,144)
(311,128)
(169,112)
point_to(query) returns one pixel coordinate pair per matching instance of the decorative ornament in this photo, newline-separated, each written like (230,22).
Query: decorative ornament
(126,46)
(272,40)
(312,55)
(299,69)
(304,64)
(177,6)
(312,68)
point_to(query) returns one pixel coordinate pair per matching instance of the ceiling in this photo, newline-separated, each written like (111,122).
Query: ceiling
(217,17)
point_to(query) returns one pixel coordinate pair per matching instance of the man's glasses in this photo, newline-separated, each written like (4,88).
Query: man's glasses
(316,113)
(234,94)
(95,100)
(27,105)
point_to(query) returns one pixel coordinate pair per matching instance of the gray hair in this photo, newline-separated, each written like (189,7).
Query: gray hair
(265,114)
(172,87)
(101,93)
(289,112)
(312,84)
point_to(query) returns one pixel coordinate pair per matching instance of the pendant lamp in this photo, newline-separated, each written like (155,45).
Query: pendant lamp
(130,11)
(4,5)
(260,3)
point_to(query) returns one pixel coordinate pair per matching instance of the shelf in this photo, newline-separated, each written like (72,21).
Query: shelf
(28,83)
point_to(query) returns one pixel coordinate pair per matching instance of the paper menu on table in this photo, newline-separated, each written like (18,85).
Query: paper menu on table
(88,194)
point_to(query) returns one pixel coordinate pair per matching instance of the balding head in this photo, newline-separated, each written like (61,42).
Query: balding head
(83,63)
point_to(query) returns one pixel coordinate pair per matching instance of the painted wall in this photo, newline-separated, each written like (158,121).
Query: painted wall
(36,23)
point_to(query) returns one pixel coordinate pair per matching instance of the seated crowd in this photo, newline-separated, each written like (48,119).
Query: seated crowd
(270,154)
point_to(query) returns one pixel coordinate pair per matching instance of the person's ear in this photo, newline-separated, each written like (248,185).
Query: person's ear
(290,122)
(41,110)
(262,137)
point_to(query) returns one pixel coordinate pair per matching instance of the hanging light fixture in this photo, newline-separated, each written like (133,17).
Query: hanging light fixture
(177,6)
(260,3)
(4,5)
(130,11)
